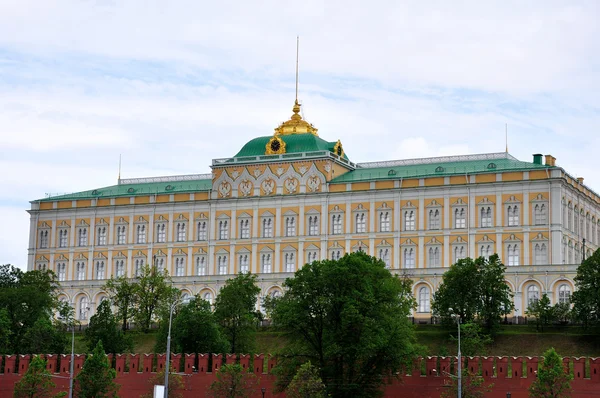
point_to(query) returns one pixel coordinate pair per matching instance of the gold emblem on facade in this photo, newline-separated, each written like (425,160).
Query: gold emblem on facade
(275,146)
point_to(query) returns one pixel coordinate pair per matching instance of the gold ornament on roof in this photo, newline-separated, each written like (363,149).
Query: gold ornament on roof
(338,149)
(296,125)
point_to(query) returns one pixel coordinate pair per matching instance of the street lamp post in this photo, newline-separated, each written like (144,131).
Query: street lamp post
(457,317)
(173,304)
(72,358)
(263,390)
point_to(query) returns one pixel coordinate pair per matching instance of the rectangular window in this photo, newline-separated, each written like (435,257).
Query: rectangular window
(80,270)
(290,226)
(460,218)
(267,227)
(179,266)
(384,221)
(434,219)
(539,212)
(63,236)
(101,236)
(222,265)
(82,237)
(336,254)
(161,233)
(360,223)
(513,255)
(486,217)
(223,230)
(121,234)
(244,264)
(384,255)
(100,272)
(44,239)
(119,268)
(290,262)
(409,220)
(141,234)
(313,225)
(201,266)
(460,252)
(409,257)
(434,257)
(202,230)
(336,224)
(311,256)
(62,271)
(513,216)
(266,263)
(181,233)
(244,229)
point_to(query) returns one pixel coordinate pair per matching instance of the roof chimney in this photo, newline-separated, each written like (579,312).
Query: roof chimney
(550,160)
(537,158)
(580,179)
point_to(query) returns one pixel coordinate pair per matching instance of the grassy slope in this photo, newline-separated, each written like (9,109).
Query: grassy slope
(512,340)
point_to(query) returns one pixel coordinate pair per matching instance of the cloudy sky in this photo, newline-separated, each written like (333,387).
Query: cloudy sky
(171,85)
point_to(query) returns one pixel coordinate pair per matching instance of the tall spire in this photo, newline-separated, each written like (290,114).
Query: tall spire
(297,54)
(506,135)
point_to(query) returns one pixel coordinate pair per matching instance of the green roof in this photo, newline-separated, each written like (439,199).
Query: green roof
(440,167)
(294,143)
(138,189)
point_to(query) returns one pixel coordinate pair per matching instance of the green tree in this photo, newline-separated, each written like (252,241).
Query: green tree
(26,297)
(306,383)
(552,381)
(472,339)
(235,311)
(350,317)
(152,291)
(459,290)
(472,386)
(542,311)
(232,381)
(44,337)
(5,332)
(474,289)
(37,381)
(194,329)
(586,298)
(562,312)
(103,327)
(122,294)
(96,377)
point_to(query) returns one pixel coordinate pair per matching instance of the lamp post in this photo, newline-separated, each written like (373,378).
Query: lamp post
(263,390)
(72,348)
(457,318)
(173,304)
(508,394)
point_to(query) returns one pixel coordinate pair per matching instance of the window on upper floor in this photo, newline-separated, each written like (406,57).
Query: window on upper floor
(267,227)
(409,220)
(61,269)
(139,266)
(540,254)
(100,270)
(244,228)
(485,250)
(244,263)
(312,255)
(119,268)
(141,234)
(202,230)
(290,261)
(266,263)
(223,230)
(513,215)
(486,217)
(102,236)
(424,299)
(575,227)
(539,214)
(222,264)
(313,225)
(409,255)
(384,255)
(459,253)
(80,268)
(577,254)
(513,254)
(434,219)
(63,238)
(290,226)
(179,266)
(121,234)
(161,233)
(201,265)
(360,223)
(434,257)
(336,224)
(181,232)
(336,254)
(82,237)
(384,221)
(460,217)
(43,239)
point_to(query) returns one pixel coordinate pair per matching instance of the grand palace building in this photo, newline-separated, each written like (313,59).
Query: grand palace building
(292,197)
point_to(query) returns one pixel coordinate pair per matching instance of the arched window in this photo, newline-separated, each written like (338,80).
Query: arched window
(533,294)
(423,299)
(564,293)
(83,308)
(208,297)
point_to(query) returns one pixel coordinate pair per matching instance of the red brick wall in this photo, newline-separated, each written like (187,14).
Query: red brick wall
(428,378)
